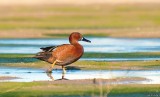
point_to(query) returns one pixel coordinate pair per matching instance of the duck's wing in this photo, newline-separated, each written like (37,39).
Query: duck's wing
(46,54)
(48,49)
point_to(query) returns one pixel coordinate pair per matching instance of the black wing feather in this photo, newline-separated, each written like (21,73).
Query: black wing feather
(48,49)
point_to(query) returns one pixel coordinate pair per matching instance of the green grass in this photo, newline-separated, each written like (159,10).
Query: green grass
(100,20)
(97,55)
(131,90)
(122,55)
(26,60)
(81,17)
(85,35)
(130,65)
(91,65)
(51,89)
(15,55)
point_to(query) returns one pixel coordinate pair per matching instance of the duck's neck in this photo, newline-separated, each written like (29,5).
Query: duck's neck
(79,48)
(76,44)
(73,42)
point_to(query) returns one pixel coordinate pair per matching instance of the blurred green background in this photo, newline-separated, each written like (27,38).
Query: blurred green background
(44,19)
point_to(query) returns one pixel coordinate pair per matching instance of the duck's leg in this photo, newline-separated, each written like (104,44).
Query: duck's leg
(63,76)
(64,71)
(53,64)
(50,69)
(50,76)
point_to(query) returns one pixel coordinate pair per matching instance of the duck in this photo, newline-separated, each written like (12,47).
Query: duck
(65,54)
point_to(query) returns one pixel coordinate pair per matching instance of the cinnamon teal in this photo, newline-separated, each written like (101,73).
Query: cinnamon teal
(64,54)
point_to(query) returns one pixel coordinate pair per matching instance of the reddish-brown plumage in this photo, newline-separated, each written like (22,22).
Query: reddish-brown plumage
(64,54)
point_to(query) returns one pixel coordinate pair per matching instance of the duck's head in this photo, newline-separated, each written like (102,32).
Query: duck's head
(76,36)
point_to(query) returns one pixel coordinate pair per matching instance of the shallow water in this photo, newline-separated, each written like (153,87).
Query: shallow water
(29,75)
(100,45)
(103,45)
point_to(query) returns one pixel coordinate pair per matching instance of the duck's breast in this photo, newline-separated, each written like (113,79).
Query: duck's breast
(66,54)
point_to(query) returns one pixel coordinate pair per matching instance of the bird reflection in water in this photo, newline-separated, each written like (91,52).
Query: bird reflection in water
(52,78)
(70,68)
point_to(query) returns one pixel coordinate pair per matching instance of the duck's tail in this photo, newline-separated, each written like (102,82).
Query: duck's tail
(44,56)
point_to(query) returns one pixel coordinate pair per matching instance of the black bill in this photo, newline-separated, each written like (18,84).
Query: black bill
(86,40)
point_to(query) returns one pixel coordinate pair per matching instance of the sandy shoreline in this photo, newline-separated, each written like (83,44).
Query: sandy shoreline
(7,78)
(82,81)
(98,81)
